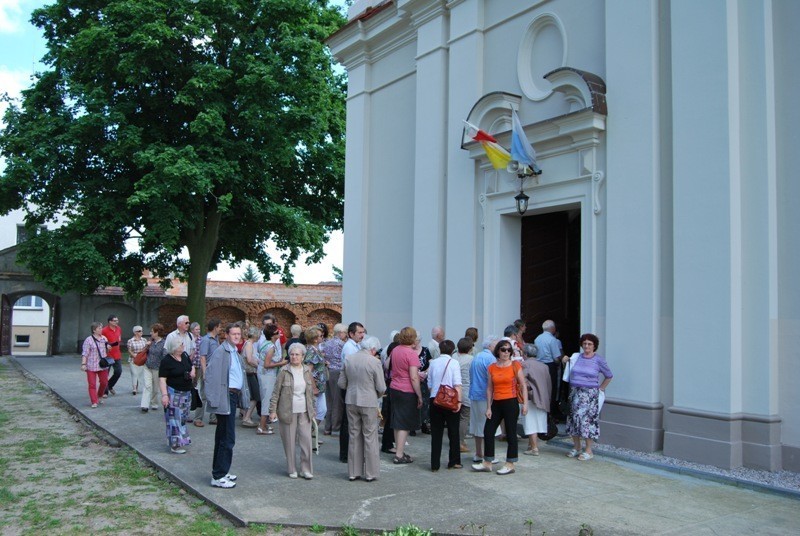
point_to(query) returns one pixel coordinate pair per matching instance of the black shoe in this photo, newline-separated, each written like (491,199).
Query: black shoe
(145,410)
(343,460)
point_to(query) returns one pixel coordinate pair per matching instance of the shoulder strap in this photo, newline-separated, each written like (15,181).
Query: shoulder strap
(445,370)
(99,353)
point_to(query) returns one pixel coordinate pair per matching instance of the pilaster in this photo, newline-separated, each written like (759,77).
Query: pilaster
(634,232)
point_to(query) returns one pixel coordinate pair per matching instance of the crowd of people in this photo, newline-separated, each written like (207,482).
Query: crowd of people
(348,385)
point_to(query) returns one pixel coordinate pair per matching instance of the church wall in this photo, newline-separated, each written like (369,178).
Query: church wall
(635,245)
(390,206)
(689,241)
(785,15)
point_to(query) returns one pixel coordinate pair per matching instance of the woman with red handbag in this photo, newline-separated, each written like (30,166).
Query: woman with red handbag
(444,382)
(136,344)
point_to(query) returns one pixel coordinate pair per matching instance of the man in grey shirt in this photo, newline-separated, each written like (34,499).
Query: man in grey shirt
(206,346)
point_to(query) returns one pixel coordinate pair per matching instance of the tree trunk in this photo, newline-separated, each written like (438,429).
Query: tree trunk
(196,299)
(201,252)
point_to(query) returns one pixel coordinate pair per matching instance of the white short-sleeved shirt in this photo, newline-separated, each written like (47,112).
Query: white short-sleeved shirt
(443,370)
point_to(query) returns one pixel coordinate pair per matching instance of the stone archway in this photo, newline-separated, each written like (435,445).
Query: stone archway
(226,314)
(6,322)
(327,316)
(284,316)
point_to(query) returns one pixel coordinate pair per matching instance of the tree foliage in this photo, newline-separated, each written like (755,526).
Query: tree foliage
(250,275)
(210,125)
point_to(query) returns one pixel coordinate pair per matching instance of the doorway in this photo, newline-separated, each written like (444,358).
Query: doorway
(28,325)
(550,279)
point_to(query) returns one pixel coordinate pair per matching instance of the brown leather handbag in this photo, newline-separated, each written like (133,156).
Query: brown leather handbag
(140,358)
(447,396)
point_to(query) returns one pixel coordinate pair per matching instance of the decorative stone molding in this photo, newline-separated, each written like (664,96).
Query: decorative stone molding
(582,89)
(491,113)
(543,47)
(598,177)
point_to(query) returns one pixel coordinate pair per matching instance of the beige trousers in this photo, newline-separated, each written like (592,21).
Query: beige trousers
(297,431)
(151,393)
(363,452)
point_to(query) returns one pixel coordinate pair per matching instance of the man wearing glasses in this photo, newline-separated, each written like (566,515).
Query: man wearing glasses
(113,333)
(183,334)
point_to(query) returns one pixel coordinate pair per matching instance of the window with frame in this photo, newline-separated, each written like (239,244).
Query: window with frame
(30,301)
(22,233)
(22,340)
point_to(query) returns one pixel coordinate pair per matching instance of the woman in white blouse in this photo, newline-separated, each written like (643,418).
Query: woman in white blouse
(444,370)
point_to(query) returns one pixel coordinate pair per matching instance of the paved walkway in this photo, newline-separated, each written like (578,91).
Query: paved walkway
(557,493)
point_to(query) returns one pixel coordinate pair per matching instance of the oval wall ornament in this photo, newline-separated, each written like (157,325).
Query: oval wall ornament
(543,48)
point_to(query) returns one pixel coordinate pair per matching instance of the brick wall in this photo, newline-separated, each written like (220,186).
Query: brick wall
(251,311)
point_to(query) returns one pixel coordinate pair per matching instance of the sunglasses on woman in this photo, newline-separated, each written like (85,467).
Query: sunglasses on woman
(505,349)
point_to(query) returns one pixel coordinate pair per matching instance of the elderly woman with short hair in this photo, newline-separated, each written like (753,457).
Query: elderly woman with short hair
(136,344)
(584,371)
(537,377)
(444,370)
(363,383)
(93,351)
(175,375)
(292,403)
(155,353)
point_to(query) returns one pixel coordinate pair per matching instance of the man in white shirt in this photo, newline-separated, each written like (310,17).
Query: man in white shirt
(183,334)
(437,336)
(355,334)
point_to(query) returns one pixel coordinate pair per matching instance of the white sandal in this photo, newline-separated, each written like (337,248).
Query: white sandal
(573,453)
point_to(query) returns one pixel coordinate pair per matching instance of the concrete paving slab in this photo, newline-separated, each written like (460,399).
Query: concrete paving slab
(557,493)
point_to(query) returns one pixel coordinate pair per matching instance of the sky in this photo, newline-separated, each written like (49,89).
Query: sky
(21,48)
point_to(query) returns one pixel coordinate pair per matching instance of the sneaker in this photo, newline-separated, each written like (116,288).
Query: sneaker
(293,475)
(177,450)
(105,395)
(495,461)
(94,405)
(231,477)
(153,407)
(222,483)
(308,476)
(477,459)
(145,410)
(113,392)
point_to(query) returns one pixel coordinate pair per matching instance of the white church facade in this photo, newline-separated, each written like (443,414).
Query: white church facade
(663,221)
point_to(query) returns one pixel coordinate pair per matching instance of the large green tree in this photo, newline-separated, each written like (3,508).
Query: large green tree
(166,126)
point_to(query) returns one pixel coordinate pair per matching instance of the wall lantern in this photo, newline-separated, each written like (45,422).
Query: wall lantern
(522,202)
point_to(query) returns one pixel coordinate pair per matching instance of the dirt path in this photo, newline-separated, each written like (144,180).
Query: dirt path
(60,476)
